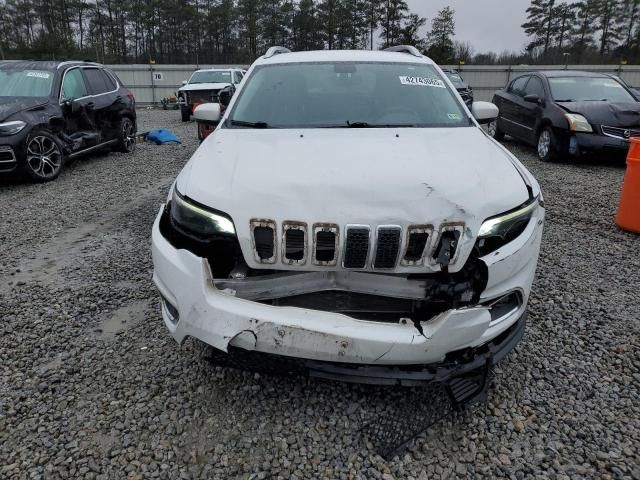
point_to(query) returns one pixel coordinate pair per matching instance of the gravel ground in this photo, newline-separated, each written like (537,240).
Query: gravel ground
(93,387)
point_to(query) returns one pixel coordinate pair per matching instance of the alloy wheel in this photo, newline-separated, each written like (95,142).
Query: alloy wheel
(492,128)
(44,156)
(544,144)
(128,136)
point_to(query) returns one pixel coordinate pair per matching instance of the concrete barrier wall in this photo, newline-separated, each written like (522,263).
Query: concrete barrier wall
(151,83)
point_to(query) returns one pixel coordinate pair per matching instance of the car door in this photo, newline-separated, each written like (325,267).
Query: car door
(510,108)
(77,107)
(103,102)
(531,113)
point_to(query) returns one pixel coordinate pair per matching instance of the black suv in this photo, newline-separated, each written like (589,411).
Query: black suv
(51,112)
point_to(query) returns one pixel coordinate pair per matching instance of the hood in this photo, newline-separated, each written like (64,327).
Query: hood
(203,86)
(606,113)
(9,106)
(354,176)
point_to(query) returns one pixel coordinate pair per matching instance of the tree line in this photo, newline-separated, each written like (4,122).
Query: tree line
(211,31)
(585,31)
(238,31)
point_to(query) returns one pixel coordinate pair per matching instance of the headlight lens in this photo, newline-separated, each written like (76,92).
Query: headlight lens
(577,123)
(497,231)
(197,219)
(11,128)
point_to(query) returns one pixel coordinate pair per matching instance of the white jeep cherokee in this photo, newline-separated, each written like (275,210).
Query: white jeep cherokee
(204,87)
(350,219)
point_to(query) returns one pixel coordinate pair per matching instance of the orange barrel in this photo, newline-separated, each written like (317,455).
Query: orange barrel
(628,216)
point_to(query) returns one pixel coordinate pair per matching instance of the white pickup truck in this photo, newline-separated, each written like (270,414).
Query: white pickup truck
(203,87)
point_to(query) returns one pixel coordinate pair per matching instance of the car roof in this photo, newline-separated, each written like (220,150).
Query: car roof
(565,73)
(344,56)
(216,70)
(45,65)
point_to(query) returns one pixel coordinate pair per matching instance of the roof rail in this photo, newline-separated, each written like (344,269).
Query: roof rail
(276,51)
(410,49)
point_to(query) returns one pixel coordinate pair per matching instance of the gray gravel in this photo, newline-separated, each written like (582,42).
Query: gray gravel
(93,387)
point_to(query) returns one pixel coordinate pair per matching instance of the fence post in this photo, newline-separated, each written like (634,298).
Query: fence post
(153,83)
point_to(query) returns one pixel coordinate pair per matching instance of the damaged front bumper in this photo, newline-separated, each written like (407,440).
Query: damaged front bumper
(353,349)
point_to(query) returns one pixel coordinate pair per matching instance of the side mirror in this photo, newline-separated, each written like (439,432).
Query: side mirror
(484,112)
(184,82)
(207,113)
(226,94)
(533,98)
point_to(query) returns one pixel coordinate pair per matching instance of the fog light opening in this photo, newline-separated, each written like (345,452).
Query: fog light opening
(170,310)
(505,306)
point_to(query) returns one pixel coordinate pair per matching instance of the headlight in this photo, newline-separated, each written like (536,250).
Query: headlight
(497,231)
(577,123)
(11,128)
(199,220)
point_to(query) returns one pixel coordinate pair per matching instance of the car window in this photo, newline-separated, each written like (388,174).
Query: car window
(111,83)
(18,82)
(585,89)
(517,86)
(73,85)
(237,77)
(338,94)
(97,81)
(534,87)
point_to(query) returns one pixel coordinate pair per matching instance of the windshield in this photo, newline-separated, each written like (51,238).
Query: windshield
(15,82)
(211,77)
(341,94)
(584,89)
(454,77)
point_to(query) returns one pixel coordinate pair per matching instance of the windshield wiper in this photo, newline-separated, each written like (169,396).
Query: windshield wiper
(242,123)
(562,101)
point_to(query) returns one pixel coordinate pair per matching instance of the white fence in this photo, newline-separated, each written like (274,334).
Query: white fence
(151,83)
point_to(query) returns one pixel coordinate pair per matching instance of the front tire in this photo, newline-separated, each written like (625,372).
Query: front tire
(45,157)
(494,131)
(547,146)
(127,136)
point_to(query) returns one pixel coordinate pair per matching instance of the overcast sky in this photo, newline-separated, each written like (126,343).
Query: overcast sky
(490,25)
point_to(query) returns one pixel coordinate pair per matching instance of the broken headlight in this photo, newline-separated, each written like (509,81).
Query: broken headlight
(497,231)
(198,219)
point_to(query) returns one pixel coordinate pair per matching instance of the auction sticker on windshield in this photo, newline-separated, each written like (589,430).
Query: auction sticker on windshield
(38,74)
(422,82)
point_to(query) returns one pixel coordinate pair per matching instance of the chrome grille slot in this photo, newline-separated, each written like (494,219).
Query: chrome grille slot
(263,236)
(325,238)
(418,237)
(387,247)
(356,246)
(294,243)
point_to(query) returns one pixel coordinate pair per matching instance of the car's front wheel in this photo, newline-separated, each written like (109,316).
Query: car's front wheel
(547,145)
(45,157)
(127,136)
(494,130)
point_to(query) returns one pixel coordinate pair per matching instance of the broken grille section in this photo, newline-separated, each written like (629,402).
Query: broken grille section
(263,236)
(294,243)
(422,246)
(387,247)
(356,246)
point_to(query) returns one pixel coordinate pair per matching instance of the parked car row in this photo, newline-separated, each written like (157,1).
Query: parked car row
(51,112)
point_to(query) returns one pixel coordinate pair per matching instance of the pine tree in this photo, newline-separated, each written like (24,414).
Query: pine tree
(393,14)
(539,24)
(443,28)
